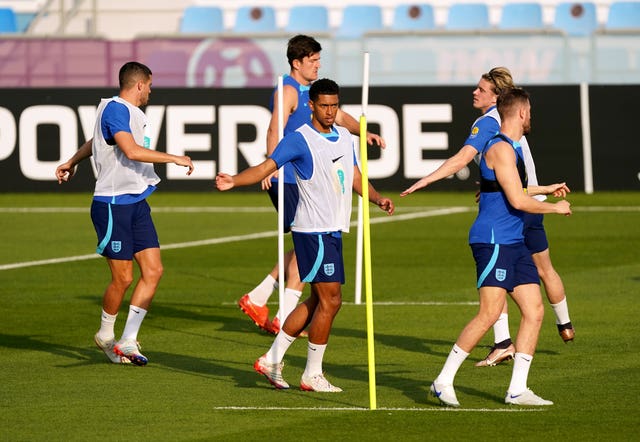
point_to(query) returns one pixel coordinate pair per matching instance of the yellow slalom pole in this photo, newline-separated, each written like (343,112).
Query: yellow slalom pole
(367,237)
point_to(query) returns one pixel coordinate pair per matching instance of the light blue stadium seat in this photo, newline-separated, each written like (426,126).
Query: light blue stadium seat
(521,16)
(255,19)
(358,19)
(8,22)
(202,19)
(468,16)
(576,19)
(624,15)
(412,17)
(311,18)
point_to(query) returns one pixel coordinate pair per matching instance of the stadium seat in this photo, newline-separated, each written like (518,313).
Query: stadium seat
(412,17)
(468,16)
(202,19)
(521,16)
(358,19)
(576,19)
(308,19)
(624,15)
(8,22)
(255,19)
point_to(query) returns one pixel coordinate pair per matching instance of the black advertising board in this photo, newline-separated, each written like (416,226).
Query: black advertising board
(225,129)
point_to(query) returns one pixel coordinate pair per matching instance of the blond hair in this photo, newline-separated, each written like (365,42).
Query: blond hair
(500,78)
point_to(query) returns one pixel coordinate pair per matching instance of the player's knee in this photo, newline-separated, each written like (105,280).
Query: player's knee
(122,281)
(534,313)
(153,273)
(333,303)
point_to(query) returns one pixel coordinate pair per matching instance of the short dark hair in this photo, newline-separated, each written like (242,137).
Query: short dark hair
(131,72)
(509,99)
(301,46)
(324,86)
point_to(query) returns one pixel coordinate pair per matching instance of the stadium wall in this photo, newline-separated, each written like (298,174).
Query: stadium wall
(225,129)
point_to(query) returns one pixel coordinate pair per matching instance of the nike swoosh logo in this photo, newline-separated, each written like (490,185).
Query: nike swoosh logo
(137,312)
(336,159)
(511,396)
(436,392)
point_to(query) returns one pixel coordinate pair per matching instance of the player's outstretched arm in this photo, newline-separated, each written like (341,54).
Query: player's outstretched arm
(251,175)
(451,165)
(558,190)
(66,170)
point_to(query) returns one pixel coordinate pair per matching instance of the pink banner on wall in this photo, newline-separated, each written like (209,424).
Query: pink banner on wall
(95,63)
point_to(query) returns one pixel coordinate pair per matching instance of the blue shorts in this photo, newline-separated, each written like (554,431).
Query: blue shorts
(504,265)
(290,202)
(535,238)
(319,256)
(123,229)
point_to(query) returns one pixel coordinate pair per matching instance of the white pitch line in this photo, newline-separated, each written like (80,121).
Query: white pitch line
(411,409)
(212,241)
(228,239)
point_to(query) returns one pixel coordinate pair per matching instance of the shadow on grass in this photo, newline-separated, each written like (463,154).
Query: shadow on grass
(84,355)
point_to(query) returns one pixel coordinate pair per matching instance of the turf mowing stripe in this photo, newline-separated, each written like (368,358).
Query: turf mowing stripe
(436,409)
(227,239)
(213,241)
(388,303)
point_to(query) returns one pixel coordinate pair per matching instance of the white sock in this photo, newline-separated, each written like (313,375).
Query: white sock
(291,299)
(260,294)
(107,323)
(561,310)
(501,329)
(280,345)
(521,365)
(315,354)
(454,361)
(134,321)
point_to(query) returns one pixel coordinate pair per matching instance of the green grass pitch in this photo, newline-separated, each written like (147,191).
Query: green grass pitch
(200,384)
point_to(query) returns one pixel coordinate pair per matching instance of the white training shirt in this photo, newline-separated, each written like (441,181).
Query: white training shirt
(325,198)
(117,174)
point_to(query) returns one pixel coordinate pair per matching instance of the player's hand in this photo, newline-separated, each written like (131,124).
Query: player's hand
(224,181)
(64,172)
(563,207)
(387,205)
(559,190)
(376,139)
(416,186)
(266,183)
(185,161)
